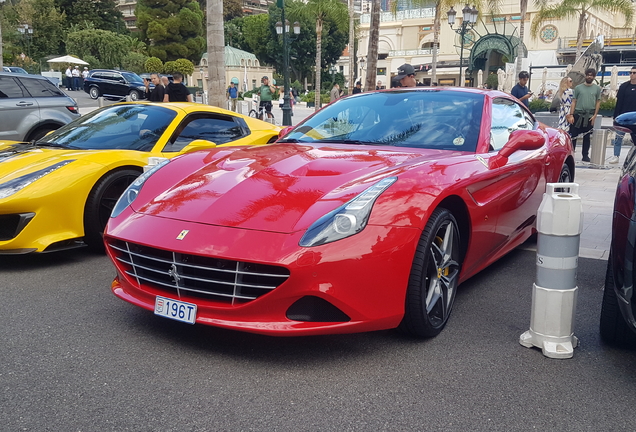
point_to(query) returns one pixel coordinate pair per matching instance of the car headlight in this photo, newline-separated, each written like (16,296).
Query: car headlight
(346,220)
(131,193)
(17,184)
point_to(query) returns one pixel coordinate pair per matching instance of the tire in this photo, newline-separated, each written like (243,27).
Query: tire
(566,175)
(253,114)
(613,327)
(434,277)
(134,95)
(100,203)
(94,92)
(39,133)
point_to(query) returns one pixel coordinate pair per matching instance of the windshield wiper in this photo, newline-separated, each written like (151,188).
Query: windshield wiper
(50,144)
(350,141)
(289,140)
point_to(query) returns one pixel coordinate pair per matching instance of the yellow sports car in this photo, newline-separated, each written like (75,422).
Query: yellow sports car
(58,192)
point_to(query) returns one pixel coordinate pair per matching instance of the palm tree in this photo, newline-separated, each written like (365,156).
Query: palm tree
(372,51)
(351,44)
(523,4)
(319,10)
(216,54)
(579,9)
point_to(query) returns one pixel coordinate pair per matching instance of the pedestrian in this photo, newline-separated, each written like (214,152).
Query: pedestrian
(565,94)
(625,102)
(76,78)
(266,93)
(165,81)
(84,76)
(358,88)
(379,86)
(405,77)
(520,90)
(334,93)
(69,78)
(583,112)
(232,95)
(176,91)
(158,93)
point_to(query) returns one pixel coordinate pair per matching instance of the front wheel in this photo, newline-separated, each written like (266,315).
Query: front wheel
(434,277)
(566,175)
(134,95)
(100,203)
(253,113)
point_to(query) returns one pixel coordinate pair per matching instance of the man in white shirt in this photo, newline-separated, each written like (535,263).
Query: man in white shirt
(84,76)
(69,78)
(76,78)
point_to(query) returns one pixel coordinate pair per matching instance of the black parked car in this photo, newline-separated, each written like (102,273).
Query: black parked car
(114,84)
(618,326)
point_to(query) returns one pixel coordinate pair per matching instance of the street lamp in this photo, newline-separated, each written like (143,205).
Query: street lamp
(284,31)
(332,71)
(469,19)
(27,31)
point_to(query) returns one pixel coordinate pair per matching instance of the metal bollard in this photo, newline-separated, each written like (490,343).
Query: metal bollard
(559,223)
(100,101)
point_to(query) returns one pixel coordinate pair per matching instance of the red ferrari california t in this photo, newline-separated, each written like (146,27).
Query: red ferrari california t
(366,216)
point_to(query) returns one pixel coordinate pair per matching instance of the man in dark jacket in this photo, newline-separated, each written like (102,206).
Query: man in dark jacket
(156,94)
(176,91)
(625,102)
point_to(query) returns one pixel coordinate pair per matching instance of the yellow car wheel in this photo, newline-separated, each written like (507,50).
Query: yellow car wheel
(100,203)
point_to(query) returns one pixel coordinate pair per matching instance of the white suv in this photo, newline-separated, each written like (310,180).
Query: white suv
(31,107)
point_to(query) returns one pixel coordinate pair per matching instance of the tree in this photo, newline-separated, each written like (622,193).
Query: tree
(172,29)
(372,51)
(153,64)
(47,23)
(233,31)
(216,54)
(134,62)
(579,9)
(523,4)
(107,47)
(232,9)
(102,14)
(319,11)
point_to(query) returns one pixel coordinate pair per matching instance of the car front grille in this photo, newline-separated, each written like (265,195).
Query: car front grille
(229,281)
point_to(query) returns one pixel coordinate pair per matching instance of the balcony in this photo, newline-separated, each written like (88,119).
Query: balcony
(400,15)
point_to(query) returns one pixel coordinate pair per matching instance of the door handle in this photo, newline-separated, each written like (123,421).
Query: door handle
(23,104)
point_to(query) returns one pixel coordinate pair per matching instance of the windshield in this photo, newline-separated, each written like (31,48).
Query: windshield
(431,119)
(131,127)
(132,77)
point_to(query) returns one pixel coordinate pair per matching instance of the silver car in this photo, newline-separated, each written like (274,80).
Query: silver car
(31,107)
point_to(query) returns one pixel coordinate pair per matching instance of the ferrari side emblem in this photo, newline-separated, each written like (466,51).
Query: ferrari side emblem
(182,234)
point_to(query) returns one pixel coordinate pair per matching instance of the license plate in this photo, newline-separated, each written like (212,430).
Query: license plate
(176,310)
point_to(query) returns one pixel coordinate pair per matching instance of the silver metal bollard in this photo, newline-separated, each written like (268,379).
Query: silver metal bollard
(100,101)
(559,223)
(598,146)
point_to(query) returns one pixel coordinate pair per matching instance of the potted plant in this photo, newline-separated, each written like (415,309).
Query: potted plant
(606,108)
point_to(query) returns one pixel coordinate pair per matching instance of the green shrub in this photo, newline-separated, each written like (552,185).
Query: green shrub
(608,105)
(154,64)
(538,105)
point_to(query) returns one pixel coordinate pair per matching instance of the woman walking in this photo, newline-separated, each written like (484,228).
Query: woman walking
(566,94)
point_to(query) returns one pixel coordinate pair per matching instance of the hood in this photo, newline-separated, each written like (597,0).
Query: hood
(279,187)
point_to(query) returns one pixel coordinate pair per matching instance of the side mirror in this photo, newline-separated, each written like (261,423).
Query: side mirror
(198,145)
(626,122)
(518,140)
(285,131)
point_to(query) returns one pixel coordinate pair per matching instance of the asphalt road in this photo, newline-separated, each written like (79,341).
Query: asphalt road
(76,358)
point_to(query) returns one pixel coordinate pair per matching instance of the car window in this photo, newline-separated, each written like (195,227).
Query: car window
(132,78)
(507,116)
(433,119)
(9,88)
(40,88)
(97,75)
(130,127)
(118,78)
(219,129)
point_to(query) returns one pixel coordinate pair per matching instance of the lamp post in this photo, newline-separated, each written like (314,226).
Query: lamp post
(27,31)
(284,31)
(469,19)
(332,71)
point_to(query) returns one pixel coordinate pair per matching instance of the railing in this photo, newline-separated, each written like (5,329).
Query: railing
(418,52)
(613,41)
(401,15)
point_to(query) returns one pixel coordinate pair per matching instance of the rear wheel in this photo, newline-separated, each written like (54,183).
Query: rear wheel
(93,92)
(566,175)
(614,329)
(134,95)
(39,133)
(253,113)
(434,277)
(100,203)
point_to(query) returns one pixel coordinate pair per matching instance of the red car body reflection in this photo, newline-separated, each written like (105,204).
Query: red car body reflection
(245,212)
